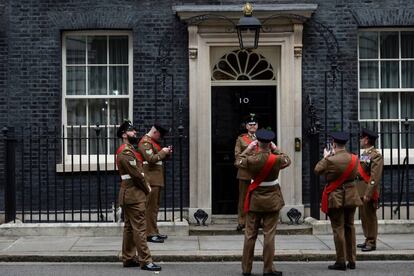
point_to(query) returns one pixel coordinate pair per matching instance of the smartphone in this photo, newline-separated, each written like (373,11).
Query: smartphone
(329,147)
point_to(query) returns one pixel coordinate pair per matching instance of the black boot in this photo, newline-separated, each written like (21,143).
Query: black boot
(361,245)
(338,266)
(155,239)
(351,265)
(151,267)
(239,227)
(161,236)
(368,248)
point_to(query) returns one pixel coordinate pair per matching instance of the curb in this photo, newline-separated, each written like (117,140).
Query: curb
(323,227)
(211,257)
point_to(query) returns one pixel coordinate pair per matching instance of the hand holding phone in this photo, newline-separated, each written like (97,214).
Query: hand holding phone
(328,150)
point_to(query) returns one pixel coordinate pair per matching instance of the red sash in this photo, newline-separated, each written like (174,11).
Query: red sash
(335,184)
(259,179)
(366,177)
(122,147)
(247,140)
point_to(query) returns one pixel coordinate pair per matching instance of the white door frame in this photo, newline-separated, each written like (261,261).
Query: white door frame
(289,112)
(209,32)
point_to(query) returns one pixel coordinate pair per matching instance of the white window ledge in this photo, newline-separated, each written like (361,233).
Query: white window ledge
(85,167)
(387,153)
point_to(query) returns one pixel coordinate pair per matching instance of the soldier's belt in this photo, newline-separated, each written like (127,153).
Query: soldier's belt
(158,163)
(269,183)
(125,176)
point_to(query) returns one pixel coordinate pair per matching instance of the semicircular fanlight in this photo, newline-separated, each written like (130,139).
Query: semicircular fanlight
(243,65)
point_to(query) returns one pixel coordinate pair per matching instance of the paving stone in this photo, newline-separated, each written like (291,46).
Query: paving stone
(224,243)
(41,244)
(176,243)
(98,244)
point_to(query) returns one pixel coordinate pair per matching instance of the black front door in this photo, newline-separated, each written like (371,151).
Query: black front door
(230,104)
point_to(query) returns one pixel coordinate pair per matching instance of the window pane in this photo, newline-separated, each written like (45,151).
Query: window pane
(75,50)
(97,49)
(76,112)
(76,141)
(407,71)
(389,44)
(407,105)
(94,139)
(97,80)
(389,74)
(114,142)
(368,105)
(368,45)
(410,135)
(389,133)
(118,111)
(98,111)
(118,50)
(389,105)
(75,80)
(407,44)
(118,80)
(370,125)
(368,74)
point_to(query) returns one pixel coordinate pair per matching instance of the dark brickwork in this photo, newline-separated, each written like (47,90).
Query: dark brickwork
(343,18)
(3,87)
(30,57)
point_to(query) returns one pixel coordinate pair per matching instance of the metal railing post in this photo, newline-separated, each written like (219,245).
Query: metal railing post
(98,173)
(10,173)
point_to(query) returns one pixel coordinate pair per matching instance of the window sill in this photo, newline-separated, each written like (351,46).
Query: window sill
(92,167)
(391,157)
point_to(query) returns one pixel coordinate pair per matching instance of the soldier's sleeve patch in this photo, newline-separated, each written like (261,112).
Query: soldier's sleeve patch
(148,151)
(133,163)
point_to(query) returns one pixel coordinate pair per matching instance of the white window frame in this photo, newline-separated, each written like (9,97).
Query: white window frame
(89,162)
(389,153)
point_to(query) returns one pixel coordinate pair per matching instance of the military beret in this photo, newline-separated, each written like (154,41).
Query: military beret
(265,136)
(125,126)
(340,137)
(369,133)
(161,129)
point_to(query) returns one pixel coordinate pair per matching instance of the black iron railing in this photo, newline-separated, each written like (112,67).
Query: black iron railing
(397,183)
(69,175)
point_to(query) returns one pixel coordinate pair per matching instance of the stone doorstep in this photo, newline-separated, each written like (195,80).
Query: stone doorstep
(323,227)
(177,228)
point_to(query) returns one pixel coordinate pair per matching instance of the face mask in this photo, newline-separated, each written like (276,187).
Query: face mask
(132,139)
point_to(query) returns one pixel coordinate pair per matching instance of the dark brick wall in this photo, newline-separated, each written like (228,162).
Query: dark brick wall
(30,56)
(343,18)
(3,86)
(32,78)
